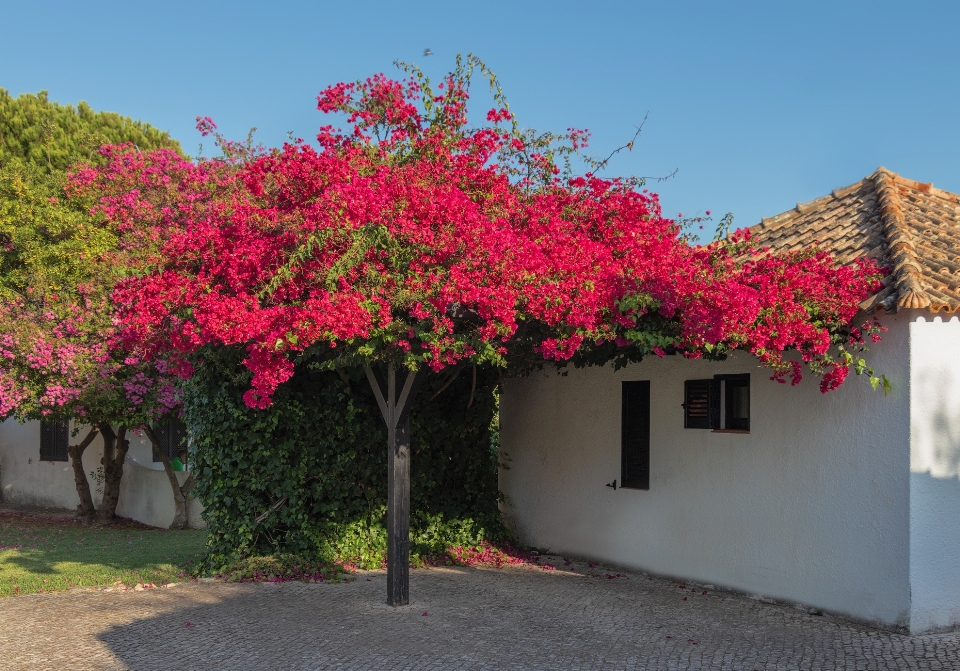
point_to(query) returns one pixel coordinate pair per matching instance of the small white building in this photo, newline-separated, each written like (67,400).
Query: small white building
(35,470)
(848,502)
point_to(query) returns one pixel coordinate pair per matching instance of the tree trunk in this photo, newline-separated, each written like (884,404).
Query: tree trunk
(86,509)
(396,415)
(180,493)
(115,446)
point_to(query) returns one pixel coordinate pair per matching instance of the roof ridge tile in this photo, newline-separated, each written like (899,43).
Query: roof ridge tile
(910,227)
(810,205)
(906,264)
(845,191)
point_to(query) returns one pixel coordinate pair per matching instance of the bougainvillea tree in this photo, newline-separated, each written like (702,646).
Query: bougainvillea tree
(60,357)
(60,360)
(414,243)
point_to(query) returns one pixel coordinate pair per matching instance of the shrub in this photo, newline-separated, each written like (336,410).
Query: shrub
(307,475)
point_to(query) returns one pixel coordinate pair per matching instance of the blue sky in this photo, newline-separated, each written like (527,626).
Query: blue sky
(758,105)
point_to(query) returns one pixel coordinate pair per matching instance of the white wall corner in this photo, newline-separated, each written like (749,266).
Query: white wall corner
(934,473)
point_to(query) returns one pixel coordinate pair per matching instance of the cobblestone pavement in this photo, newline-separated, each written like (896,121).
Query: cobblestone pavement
(511,618)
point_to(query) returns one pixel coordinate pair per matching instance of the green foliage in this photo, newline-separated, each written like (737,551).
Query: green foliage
(49,242)
(307,475)
(58,269)
(52,136)
(50,245)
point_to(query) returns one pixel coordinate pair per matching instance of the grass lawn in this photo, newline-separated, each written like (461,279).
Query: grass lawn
(44,554)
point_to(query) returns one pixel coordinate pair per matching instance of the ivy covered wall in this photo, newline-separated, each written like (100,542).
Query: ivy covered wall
(308,475)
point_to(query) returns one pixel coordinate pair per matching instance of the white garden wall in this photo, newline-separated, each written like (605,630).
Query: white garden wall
(145,492)
(812,506)
(935,472)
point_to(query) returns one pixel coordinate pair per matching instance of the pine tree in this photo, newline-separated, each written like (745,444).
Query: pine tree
(52,136)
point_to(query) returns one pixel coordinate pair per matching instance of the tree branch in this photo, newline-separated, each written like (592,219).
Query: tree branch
(345,380)
(473,387)
(269,510)
(179,495)
(600,165)
(453,376)
(90,437)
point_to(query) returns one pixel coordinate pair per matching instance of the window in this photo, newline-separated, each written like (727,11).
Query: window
(172,435)
(54,440)
(697,395)
(721,404)
(635,436)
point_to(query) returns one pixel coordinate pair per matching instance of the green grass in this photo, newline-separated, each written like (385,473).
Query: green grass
(41,554)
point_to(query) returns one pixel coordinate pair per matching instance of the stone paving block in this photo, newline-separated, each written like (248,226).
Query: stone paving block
(477,618)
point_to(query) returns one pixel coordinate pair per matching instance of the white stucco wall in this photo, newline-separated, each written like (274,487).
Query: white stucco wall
(146,496)
(935,472)
(145,492)
(812,506)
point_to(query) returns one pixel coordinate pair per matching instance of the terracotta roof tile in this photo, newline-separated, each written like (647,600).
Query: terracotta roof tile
(911,227)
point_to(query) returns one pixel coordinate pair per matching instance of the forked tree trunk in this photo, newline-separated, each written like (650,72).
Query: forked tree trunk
(181,493)
(86,509)
(396,415)
(115,446)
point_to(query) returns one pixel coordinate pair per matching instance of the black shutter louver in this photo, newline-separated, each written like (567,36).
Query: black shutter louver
(699,406)
(172,436)
(162,431)
(635,435)
(178,437)
(54,440)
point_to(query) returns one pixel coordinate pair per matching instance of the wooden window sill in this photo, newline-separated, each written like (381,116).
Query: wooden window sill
(728,431)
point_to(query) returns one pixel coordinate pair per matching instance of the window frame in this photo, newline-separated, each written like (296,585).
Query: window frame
(725,404)
(720,405)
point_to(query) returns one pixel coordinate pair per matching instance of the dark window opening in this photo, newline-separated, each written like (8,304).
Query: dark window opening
(172,436)
(635,435)
(735,394)
(54,440)
(720,404)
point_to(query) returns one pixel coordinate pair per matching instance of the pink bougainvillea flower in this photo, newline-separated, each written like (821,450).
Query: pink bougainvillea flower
(414,238)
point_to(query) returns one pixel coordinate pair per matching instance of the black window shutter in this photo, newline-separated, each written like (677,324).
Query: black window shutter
(162,431)
(635,436)
(172,436)
(178,437)
(699,405)
(54,440)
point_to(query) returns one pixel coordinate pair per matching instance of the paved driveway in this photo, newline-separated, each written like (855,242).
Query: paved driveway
(511,618)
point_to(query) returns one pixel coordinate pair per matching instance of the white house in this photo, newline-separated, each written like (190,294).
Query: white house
(848,502)
(35,470)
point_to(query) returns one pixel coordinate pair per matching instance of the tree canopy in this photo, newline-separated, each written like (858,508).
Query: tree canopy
(60,357)
(416,239)
(52,136)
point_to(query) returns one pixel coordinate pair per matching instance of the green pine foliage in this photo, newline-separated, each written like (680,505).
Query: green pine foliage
(48,243)
(308,475)
(51,136)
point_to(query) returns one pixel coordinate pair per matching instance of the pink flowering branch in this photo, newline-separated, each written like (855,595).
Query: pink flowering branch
(413,238)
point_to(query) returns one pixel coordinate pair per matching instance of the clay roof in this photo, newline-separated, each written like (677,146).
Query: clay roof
(910,227)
